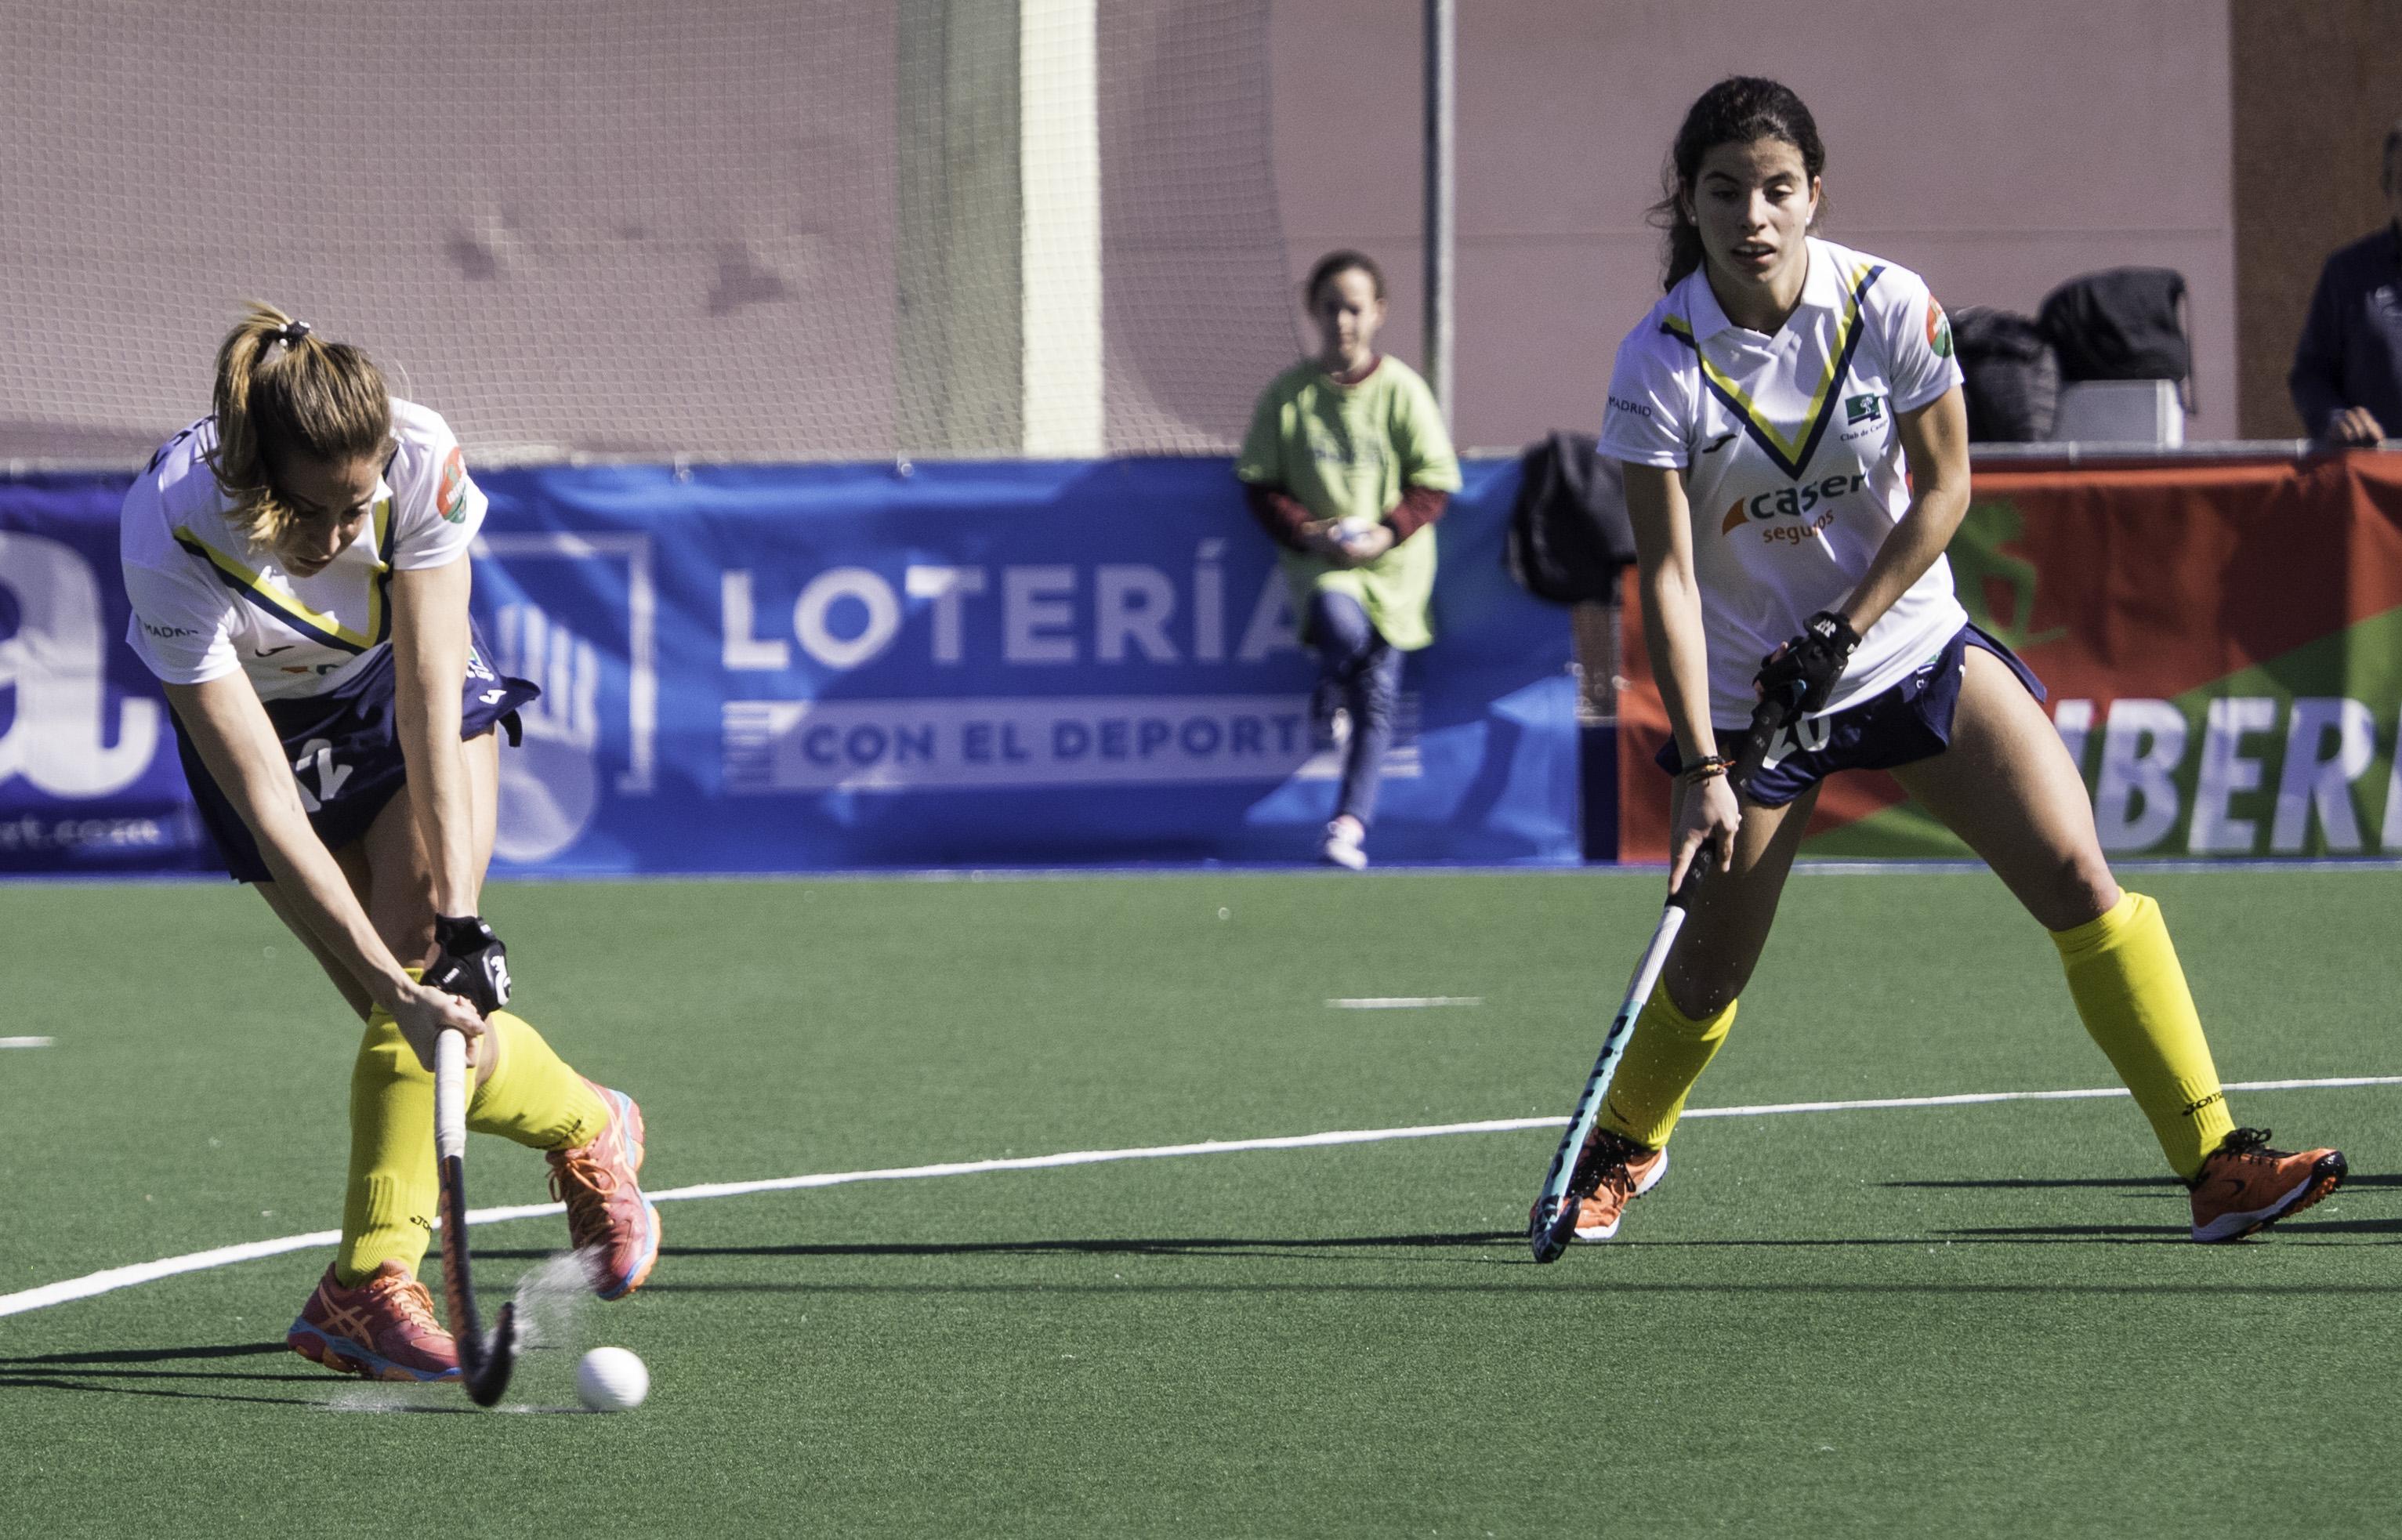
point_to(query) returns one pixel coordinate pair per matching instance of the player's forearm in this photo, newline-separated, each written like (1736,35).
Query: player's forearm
(429,645)
(1662,522)
(440,794)
(1935,447)
(1925,530)
(302,868)
(236,743)
(1673,633)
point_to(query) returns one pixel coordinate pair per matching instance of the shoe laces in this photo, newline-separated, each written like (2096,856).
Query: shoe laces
(2240,1142)
(408,1297)
(1604,1154)
(583,1182)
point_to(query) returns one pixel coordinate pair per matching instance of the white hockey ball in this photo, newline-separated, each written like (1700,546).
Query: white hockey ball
(612,1380)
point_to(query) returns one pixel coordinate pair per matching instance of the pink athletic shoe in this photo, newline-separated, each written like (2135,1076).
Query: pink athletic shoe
(615,1227)
(382,1329)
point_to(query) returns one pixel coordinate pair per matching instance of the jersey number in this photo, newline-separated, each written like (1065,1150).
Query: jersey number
(1811,733)
(317,754)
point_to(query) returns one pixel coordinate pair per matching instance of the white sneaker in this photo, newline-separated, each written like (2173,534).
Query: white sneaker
(1341,846)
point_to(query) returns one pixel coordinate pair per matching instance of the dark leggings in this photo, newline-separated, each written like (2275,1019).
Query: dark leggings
(1366,671)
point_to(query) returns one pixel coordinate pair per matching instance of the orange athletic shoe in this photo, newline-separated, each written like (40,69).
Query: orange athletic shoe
(383,1329)
(1615,1170)
(615,1227)
(2245,1187)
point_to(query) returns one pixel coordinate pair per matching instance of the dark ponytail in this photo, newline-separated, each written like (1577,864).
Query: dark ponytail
(1735,111)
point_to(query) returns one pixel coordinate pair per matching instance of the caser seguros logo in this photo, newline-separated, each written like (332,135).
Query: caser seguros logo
(1797,502)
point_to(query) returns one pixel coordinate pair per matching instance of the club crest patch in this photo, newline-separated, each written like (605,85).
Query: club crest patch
(450,495)
(1939,329)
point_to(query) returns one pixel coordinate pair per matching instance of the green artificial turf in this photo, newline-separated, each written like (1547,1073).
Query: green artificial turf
(1968,1321)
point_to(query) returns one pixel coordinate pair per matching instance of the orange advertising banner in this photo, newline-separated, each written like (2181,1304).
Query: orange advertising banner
(2222,642)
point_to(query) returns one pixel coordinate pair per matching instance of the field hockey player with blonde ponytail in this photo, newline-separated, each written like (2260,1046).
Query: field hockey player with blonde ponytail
(297,565)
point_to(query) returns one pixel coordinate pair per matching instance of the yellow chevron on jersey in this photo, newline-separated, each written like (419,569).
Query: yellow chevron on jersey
(1788,448)
(1792,454)
(207,601)
(286,606)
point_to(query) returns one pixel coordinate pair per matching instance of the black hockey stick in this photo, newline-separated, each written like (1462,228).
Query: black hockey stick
(484,1362)
(1553,1220)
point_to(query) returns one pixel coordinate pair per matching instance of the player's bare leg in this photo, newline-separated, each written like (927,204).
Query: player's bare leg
(1680,1027)
(369,1314)
(400,898)
(393,881)
(352,861)
(2007,788)
(531,1096)
(1723,937)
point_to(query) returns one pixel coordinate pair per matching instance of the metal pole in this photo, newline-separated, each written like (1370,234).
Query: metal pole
(1442,90)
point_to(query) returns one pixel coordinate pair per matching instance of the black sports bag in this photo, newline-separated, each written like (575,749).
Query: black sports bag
(1569,533)
(2012,377)
(2123,324)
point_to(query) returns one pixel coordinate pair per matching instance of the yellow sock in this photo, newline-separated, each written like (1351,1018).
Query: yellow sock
(531,1096)
(388,1204)
(1666,1055)
(2124,974)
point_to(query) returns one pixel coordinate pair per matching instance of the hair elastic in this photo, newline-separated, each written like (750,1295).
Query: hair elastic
(293,333)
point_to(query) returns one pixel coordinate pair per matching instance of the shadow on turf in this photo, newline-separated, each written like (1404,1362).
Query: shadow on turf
(142,1355)
(1569,1279)
(9,1383)
(1178,1246)
(2301,1232)
(2355,1182)
(78,1371)
(2300,1229)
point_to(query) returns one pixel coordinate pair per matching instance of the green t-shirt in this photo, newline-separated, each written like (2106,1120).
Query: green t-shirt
(1349,451)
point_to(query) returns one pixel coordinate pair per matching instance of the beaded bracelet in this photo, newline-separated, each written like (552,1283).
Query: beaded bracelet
(1703,768)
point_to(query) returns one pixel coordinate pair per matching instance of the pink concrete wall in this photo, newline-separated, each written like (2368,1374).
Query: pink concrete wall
(1996,148)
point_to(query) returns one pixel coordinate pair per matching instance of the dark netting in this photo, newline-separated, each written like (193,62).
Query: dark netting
(619,226)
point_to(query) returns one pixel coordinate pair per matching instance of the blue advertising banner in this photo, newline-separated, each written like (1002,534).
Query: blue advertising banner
(792,668)
(88,779)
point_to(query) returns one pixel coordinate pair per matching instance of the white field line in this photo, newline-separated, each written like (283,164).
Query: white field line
(1406,1002)
(201,1261)
(26,1042)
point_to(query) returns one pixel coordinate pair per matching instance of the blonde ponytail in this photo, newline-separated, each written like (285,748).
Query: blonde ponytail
(281,393)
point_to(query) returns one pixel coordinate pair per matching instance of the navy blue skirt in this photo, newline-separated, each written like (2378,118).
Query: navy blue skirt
(1907,723)
(345,754)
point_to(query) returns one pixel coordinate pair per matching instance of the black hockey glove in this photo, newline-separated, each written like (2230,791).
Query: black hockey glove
(1803,674)
(470,962)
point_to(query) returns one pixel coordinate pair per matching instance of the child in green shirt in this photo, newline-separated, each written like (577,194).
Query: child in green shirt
(1347,463)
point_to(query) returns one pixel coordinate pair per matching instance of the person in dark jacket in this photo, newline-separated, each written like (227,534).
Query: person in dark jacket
(2347,379)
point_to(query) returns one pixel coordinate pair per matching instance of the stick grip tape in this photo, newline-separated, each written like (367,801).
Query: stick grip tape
(451,1094)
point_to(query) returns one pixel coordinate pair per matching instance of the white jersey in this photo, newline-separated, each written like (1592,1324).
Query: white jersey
(207,603)
(1792,465)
